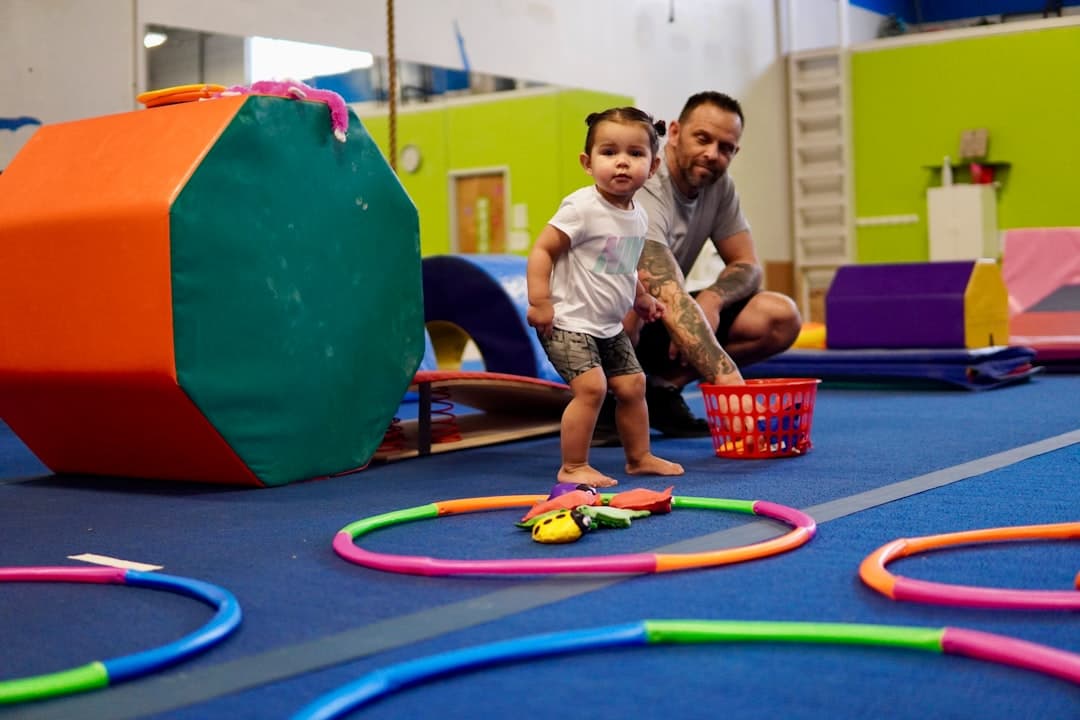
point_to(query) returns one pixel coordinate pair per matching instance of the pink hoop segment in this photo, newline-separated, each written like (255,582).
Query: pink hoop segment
(1012,651)
(803,528)
(873,571)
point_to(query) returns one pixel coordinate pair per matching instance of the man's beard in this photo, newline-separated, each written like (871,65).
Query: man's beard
(699,182)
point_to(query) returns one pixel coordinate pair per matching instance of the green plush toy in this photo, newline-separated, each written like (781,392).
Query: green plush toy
(606,516)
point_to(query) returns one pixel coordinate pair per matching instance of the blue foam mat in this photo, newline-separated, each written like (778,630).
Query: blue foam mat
(971,369)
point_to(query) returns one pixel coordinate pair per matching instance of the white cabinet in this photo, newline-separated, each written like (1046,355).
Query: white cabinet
(963,222)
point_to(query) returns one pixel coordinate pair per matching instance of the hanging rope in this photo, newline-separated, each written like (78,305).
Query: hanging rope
(391,59)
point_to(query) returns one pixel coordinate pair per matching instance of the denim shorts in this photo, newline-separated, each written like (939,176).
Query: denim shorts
(574,353)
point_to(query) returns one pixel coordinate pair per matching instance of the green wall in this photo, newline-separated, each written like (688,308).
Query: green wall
(538,137)
(911,103)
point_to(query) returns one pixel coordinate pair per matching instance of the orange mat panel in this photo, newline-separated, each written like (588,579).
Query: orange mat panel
(132,426)
(85,262)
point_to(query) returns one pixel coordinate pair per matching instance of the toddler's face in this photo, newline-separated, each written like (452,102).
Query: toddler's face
(621,160)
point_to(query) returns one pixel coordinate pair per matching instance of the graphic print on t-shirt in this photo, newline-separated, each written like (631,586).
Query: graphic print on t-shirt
(619,256)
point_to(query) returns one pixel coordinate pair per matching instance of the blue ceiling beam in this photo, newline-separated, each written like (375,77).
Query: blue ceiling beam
(929,11)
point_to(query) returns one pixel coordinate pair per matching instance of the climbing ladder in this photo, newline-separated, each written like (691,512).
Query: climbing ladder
(821,172)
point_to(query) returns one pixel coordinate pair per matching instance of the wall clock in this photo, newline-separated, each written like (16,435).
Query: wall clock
(410,158)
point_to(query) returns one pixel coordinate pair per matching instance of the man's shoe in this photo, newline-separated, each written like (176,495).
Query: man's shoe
(606,434)
(669,413)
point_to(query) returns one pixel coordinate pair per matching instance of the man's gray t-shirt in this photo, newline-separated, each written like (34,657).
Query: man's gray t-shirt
(684,225)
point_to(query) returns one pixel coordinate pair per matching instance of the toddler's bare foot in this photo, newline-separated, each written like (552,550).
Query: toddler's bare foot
(652,465)
(588,475)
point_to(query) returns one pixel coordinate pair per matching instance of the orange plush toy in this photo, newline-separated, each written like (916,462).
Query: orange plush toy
(566,501)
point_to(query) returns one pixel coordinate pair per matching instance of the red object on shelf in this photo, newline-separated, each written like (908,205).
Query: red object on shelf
(981,174)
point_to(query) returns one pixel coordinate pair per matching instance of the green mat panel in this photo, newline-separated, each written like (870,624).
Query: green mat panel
(297,294)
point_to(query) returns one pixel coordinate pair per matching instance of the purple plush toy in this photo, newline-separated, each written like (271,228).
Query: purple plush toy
(565,487)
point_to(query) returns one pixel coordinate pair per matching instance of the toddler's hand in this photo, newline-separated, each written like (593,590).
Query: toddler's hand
(649,308)
(542,317)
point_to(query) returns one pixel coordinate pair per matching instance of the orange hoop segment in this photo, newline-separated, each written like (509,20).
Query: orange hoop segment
(874,573)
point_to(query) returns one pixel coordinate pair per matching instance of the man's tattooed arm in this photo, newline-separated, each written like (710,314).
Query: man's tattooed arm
(686,324)
(736,282)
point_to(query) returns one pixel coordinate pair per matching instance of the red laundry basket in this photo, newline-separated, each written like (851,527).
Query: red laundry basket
(761,419)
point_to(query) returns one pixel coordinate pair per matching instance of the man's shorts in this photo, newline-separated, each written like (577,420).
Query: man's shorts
(574,353)
(653,344)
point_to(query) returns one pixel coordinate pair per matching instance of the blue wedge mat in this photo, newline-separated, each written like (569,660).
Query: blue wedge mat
(972,369)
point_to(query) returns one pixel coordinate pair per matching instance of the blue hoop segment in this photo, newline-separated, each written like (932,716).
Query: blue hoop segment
(100,674)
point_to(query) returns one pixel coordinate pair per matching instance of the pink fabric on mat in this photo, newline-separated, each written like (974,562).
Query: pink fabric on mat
(1037,261)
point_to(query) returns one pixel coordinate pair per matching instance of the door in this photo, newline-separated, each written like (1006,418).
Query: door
(479,211)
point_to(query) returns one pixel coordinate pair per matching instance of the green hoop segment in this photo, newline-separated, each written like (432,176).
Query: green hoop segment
(950,641)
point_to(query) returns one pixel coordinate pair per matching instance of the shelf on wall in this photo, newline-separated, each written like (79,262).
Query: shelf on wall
(969,163)
(961,170)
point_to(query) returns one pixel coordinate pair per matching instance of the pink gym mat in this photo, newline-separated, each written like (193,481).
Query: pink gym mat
(1041,269)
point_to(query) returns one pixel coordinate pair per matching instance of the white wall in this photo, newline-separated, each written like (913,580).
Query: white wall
(621,46)
(64,60)
(811,24)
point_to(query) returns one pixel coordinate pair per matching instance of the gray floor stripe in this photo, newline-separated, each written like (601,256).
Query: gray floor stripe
(165,693)
(862,501)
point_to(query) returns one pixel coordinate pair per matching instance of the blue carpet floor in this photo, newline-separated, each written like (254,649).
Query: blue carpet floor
(885,464)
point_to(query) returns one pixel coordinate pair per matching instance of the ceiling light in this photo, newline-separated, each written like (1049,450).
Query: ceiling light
(153,39)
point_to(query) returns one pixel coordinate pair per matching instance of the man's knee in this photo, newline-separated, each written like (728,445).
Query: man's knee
(767,313)
(785,320)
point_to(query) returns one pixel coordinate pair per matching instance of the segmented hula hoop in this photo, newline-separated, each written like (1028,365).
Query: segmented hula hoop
(803,528)
(1000,649)
(103,673)
(873,571)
